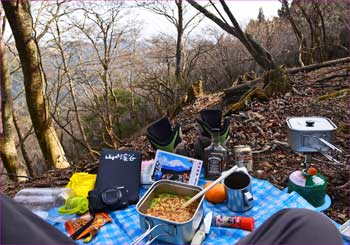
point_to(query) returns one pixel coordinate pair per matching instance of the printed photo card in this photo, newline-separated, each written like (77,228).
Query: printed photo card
(175,167)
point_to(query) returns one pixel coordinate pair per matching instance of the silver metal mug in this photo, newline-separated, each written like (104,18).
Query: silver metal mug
(239,192)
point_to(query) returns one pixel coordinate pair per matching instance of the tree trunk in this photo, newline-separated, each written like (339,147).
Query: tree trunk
(72,92)
(14,167)
(25,154)
(260,54)
(311,48)
(179,42)
(324,49)
(20,20)
(109,117)
(297,32)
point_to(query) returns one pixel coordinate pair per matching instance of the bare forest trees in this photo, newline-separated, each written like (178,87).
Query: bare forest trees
(67,73)
(259,53)
(20,20)
(172,57)
(314,24)
(278,37)
(300,38)
(176,13)
(103,30)
(8,152)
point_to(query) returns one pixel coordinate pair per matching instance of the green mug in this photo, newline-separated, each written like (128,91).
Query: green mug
(74,205)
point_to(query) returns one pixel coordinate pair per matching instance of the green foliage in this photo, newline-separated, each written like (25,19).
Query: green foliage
(334,94)
(277,82)
(123,99)
(123,108)
(255,93)
(127,128)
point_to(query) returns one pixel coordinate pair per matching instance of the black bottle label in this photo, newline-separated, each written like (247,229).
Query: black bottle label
(215,163)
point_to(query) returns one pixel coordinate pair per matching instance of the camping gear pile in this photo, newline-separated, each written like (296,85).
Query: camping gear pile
(123,180)
(311,135)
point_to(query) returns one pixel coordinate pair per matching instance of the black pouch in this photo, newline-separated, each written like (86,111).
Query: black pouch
(118,180)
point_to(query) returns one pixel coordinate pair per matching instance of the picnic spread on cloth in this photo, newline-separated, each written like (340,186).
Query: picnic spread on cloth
(125,228)
(173,198)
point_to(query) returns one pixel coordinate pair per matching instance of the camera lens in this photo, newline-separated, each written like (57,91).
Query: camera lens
(111,196)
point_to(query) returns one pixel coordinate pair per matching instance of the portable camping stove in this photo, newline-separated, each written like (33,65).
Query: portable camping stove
(311,135)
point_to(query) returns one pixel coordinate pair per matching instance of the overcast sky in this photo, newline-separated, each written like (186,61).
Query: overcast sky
(153,24)
(242,10)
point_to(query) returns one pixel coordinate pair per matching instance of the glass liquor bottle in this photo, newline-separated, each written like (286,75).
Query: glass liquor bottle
(215,157)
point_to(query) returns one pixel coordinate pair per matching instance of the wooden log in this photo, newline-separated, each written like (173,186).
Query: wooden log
(318,66)
(233,94)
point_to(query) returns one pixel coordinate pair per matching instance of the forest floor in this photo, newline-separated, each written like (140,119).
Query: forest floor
(262,125)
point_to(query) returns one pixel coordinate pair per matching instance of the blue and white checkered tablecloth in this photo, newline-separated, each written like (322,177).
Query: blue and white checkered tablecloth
(267,200)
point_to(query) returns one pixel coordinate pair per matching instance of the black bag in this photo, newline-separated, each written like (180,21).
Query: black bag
(118,180)
(117,183)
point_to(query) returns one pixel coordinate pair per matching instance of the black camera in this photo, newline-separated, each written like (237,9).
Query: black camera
(112,198)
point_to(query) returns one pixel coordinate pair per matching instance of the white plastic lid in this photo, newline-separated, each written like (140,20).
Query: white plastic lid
(310,124)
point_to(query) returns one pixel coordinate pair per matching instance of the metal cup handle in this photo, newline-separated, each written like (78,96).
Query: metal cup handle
(247,197)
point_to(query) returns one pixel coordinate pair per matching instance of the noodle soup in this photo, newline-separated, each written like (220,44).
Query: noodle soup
(157,222)
(168,206)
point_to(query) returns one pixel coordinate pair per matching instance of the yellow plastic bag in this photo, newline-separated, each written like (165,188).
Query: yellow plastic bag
(82,183)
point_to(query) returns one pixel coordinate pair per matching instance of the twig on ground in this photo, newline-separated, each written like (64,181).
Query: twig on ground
(266,148)
(331,77)
(343,186)
(258,128)
(17,176)
(277,142)
(297,92)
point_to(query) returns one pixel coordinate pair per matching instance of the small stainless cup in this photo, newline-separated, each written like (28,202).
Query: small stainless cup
(239,192)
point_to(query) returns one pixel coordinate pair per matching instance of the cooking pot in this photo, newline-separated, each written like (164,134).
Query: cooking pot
(166,230)
(310,134)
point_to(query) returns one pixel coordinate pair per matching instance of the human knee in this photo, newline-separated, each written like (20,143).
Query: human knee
(299,212)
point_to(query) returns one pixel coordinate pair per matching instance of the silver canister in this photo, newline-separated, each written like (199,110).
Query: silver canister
(166,230)
(243,156)
(239,192)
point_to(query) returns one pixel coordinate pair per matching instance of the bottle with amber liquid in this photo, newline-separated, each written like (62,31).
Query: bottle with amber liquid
(215,157)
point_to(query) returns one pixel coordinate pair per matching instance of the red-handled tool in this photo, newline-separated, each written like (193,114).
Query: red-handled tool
(239,222)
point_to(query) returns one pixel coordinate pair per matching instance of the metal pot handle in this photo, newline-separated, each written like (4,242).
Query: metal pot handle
(146,233)
(333,148)
(143,235)
(154,238)
(329,145)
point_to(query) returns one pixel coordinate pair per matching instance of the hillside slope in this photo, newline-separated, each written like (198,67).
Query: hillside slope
(262,126)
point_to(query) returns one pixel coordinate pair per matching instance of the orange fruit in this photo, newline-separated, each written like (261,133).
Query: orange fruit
(217,194)
(312,171)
